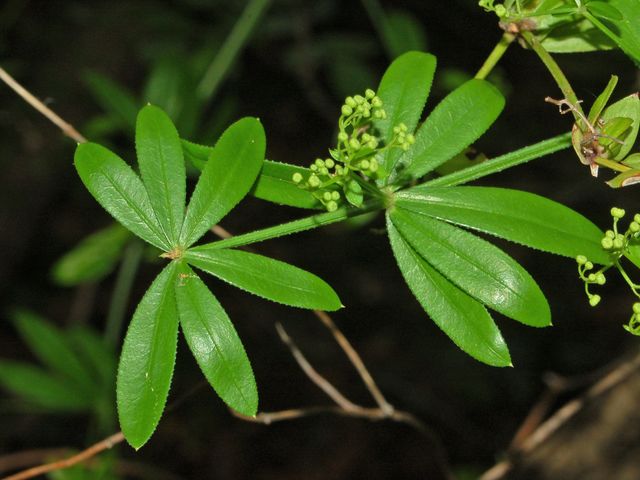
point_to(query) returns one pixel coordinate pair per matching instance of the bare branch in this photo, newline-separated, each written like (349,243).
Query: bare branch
(66,128)
(92,451)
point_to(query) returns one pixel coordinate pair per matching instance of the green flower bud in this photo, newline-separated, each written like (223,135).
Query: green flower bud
(636,308)
(314,181)
(396,129)
(411,139)
(343,137)
(617,212)
(373,165)
(366,113)
(319,162)
(591,277)
(378,114)
(359,99)
(610,233)
(372,144)
(606,243)
(323,171)
(581,259)
(403,127)
(376,102)
(636,218)
(355,144)
(332,206)
(594,300)
(329,163)
(588,265)
(634,227)
(313,167)
(501,11)
(335,195)
(364,164)
(618,243)
(600,279)
(346,110)
(369,94)
(297,177)
(350,102)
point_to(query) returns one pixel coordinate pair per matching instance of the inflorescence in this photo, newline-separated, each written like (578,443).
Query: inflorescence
(617,245)
(353,166)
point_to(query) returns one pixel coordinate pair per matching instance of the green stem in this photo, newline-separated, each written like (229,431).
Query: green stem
(232,45)
(122,290)
(503,162)
(495,55)
(555,70)
(295,226)
(618,167)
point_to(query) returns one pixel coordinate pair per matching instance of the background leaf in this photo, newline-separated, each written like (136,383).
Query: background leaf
(113,98)
(93,258)
(275,184)
(462,318)
(626,31)
(162,168)
(268,278)
(404,89)
(577,36)
(476,266)
(226,179)
(215,344)
(520,217)
(120,192)
(456,122)
(147,360)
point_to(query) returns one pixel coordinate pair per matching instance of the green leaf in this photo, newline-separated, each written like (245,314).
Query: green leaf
(602,100)
(195,153)
(215,344)
(576,36)
(226,179)
(628,107)
(162,168)
(275,185)
(41,388)
(98,357)
(632,161)
(268,278)
(404,89)
(628,28)
(403,32)
(625,179)
(52,348)
(463,319)
(147,360)
(477,267)
(353,193)
(520,217)
(459,120)
(120,192)
(604,10)
(113,98)
(93,258)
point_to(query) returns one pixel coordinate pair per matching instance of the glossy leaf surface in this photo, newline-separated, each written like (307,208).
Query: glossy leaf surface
(629,108)
(162,168)
(456,122)
(476,266)
(120,192)
(404,89)
(147,360)
(227,177)
(520,217)
(215,344)
(461,317)
(263,276)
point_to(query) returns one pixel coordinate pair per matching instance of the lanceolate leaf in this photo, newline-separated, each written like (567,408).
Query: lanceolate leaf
(628,107)
(459,120)
(626,31)
(268,278)
(113,98)
(41,388)
(162,168)
(602,100)
(93,258)
(226,179)
(120,192)
(147,360)
(480,269)
(521,217)
(215,344)
(404,89)
(461,317)
(52,348)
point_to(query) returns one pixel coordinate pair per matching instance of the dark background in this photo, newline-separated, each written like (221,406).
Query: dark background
(287,77)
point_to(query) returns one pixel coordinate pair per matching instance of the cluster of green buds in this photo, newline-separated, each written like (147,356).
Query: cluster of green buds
(616,243)
(488,5)
(353,166)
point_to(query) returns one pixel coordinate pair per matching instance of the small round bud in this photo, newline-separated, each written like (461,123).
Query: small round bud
(376,102)
(411,139)
(618,243)
(329,163)
(326,196)
(373,165)
(372,144)
(314,181)
(588,265)
(313,167)
(636,218)
(346,110)
(369,94)
(366,113)
(355,144)
(323,171)
(606,243)
(617,212)
(594,300)
(319,162)
(365,137)
(332,206)
(396,129)
(636,308)
(591,277)
(378,114)
(359,99)
(611,234)
(600,279)
(343,137)
(581,259)
(634,227)
(403,127)
(297,177)
(350,102)
(501,11)
(364,164)
(335,195)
